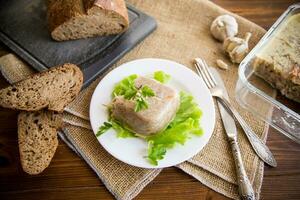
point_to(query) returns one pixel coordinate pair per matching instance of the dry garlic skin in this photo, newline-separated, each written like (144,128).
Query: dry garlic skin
(223,27)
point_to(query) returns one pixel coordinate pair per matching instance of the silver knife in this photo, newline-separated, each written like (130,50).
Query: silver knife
(260,148)
(245,188)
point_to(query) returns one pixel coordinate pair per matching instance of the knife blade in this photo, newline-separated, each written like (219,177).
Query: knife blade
(245,188)
(228,120)
(261,150)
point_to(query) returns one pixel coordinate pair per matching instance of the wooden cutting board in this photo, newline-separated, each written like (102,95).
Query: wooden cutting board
(23,28)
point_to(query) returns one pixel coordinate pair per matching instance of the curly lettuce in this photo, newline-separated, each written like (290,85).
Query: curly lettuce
(161,76)
(185,123)
(126,87)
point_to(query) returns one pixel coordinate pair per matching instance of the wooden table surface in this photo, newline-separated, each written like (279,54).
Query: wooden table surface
(68,177)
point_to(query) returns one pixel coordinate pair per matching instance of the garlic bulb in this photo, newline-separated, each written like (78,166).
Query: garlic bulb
(223,27)
(237,48)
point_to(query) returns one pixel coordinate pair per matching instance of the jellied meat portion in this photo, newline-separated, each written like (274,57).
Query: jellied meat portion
(161,108)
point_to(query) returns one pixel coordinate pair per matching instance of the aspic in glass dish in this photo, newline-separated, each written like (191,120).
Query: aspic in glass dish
(275,61)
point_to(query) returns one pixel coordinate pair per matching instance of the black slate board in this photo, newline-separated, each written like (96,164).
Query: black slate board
(23,28)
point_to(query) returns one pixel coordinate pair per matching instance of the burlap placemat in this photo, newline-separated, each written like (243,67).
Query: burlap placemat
(182,34)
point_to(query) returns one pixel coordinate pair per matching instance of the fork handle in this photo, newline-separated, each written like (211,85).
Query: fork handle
(245,187)
(259,147)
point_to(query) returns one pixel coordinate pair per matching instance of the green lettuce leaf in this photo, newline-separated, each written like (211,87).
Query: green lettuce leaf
(155,152)
(121,131)
(186,122)
(126,87)
(161,76)
(187,109)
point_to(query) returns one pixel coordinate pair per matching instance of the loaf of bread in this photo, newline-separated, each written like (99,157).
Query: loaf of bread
(74,19)
(37,136)
(53,89)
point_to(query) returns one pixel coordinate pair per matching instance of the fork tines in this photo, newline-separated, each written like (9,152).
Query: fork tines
(203,70)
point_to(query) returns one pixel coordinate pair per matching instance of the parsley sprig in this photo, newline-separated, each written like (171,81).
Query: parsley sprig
(129,91)
(102,129)
(140,98)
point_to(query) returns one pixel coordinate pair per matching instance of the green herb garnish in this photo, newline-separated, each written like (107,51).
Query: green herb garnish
(103,128)
(140,104)
(147,91)
(127,89)
(140,98)
(161,76)
(121,131)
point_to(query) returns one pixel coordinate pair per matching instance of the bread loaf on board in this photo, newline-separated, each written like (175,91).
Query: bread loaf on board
(75,19)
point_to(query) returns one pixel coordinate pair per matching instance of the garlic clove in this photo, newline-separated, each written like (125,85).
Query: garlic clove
(231,42)
(237,48)
(221,64)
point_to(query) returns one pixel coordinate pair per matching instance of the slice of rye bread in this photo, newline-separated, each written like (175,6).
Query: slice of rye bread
(74,19)
(37,137)
(53,89)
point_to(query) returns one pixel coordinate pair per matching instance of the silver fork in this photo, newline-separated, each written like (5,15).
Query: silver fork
(245,187)
(257,144)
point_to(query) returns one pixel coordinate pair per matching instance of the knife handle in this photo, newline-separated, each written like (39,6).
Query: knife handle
(245,187)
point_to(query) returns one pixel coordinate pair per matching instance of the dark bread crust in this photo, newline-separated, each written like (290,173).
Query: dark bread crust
(37,138)
(53,89)
(59,11)
(68,19)
(117,6)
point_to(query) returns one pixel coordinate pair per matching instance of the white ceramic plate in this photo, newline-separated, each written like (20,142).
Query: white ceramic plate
(134,150)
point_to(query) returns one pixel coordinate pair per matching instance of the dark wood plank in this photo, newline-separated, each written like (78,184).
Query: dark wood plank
(262,12)
(283,181)
(70,178)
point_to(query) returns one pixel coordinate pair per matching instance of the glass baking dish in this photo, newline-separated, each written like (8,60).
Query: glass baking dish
(257,96)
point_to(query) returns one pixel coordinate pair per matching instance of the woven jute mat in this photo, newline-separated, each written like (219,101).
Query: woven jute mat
(182,34)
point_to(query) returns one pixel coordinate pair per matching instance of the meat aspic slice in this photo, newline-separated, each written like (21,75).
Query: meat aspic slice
(161,108)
